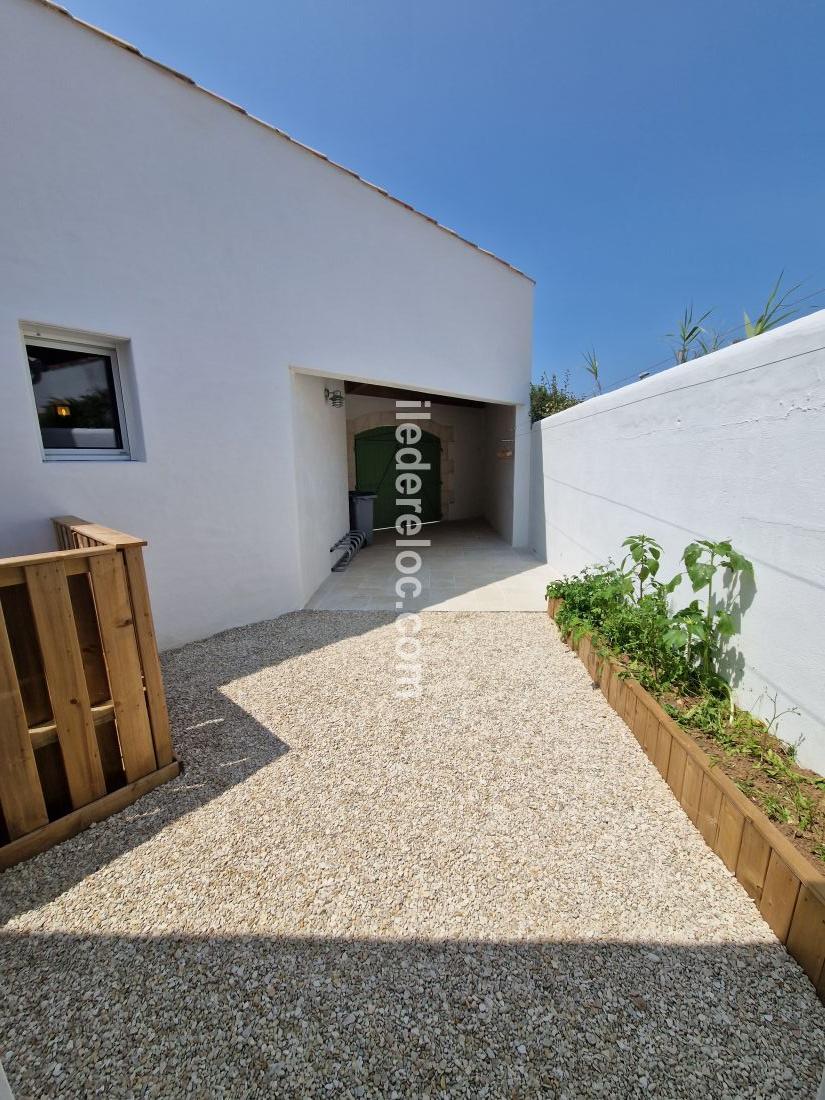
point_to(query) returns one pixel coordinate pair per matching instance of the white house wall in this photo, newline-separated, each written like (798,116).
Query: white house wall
(731,445)
(134,205)
(320,480)
(498,495)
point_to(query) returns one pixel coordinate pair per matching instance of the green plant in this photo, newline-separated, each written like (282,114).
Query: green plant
(774,312)
(774,807)
(629,608)
(688,333)
(592,367)
(703,559)
(642,561)
(548,396)
(686,632)
(625,611)
(804,810)
(715,340)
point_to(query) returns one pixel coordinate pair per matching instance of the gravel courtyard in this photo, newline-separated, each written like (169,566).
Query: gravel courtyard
(487,892)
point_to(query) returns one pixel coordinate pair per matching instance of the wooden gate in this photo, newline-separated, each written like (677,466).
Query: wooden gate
(84,728)
(376,471)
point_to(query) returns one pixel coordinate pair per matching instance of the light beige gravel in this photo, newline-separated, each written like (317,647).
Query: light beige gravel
(488,892)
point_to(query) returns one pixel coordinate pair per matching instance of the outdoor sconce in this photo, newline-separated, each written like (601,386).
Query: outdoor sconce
(334,398)
(63,410)
(505,448)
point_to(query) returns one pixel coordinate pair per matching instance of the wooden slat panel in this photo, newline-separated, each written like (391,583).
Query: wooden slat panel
(639,724)
(13,570)
(779,896)
(692,789)
(621,695)
(97,535)
(631,702)
(806,937)
(88,635)
(27,660)
(629,710)
(148,648)
(63,530)
(79,532)
(606,678)
(592,663)
(598,670)
(663,746)
(614,690)
(56,633)
(46,734)
(651,735)
(107,742)
(752,865)
(676,768)
(107,735)
(53,780)
(110,758)
(72,566)
(710,802)
(114,615)
(57,831)
(729,836)
(21,795)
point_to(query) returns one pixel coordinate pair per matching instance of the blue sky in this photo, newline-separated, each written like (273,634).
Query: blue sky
(631,157)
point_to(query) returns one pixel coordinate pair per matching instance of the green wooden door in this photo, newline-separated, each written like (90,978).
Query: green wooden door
(375,472)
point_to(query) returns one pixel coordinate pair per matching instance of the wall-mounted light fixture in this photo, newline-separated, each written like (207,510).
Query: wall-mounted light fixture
(334,398)
(63,410)
(505,448)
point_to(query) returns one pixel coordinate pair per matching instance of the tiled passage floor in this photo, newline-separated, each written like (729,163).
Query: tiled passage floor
(467,568)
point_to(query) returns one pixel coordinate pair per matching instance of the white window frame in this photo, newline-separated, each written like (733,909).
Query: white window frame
(44,337)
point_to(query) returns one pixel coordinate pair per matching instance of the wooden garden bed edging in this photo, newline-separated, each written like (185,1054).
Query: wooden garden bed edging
(787,888)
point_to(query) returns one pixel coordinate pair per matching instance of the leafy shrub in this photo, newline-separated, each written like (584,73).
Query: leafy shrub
(549,396)
(677,655)
(630,608)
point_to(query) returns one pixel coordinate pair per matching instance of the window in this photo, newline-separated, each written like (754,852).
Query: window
(78,396)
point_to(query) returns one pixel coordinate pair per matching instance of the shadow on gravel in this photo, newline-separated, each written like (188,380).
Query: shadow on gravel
(218,743)
(258,1016)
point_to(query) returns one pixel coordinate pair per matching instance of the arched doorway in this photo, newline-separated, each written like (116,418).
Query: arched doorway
(376,471)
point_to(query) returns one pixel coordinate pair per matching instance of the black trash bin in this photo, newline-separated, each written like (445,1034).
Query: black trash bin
(361,507)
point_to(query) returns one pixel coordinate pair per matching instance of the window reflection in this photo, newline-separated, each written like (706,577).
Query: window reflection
(75,396)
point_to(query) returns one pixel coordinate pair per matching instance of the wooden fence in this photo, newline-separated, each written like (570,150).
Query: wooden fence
(84,728)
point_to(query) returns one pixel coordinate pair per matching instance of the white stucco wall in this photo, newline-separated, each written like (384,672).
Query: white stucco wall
(322,503)
(731,445)
(134,205)
(498,472)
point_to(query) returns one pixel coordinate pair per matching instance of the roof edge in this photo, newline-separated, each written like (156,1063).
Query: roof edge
(124,45)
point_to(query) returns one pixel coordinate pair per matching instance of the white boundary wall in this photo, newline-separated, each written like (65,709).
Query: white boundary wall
(729,445)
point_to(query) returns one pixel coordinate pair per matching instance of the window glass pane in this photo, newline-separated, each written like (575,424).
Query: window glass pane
(75,396)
